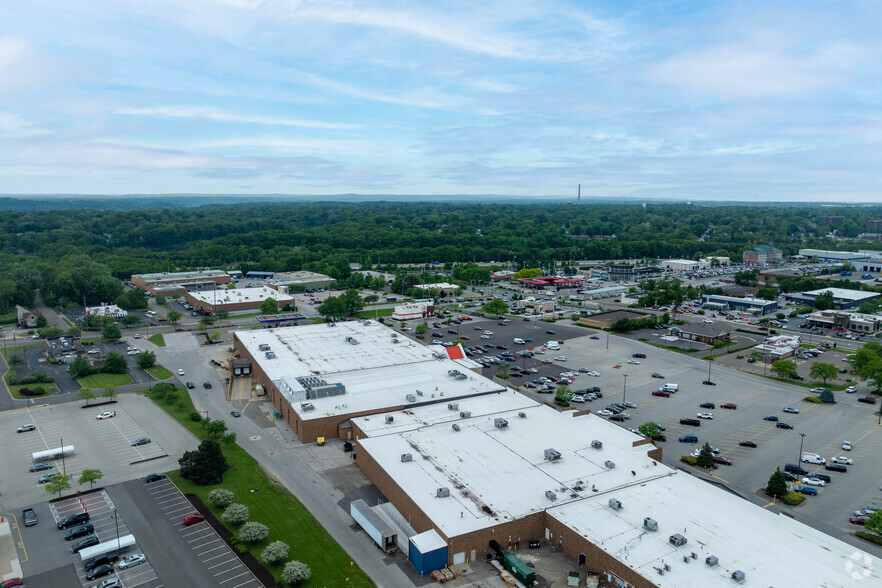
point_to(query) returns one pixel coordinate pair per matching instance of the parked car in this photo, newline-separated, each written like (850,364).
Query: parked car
(747,444)
(709,383)
(722,460)
(86,529)
(154,478)
(790,409)
(867,400)
(850,389)
(661,393)
(657,375)
(707,405)
(770,418)
(141,441)
(858,519)
(812,481)
(783,425)
(40,467)
(106,415)
(83,543)
(705,415)
(807,490)
(846,445)
(192,519)
(729,405)
(99,571)
(46,477)
(842,459)
(132,561)
(26,428)
(633,362)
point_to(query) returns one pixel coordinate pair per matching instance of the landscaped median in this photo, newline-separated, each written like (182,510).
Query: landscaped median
(158,372)
(157,339)
(105,381)
(268,503)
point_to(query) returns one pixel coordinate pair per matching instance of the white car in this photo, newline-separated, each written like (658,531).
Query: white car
(106,415)
(843,460)
(846,445)
(181,372)
(136,336)
(710,322)
(705,415)
(851,390)
(488,332)
(485,336)
(593,373)
(790,409)
(93,351)
(133,352)
(578,398)
(812,481)
(604,412)
(633,361)
(132,561)
(560,358)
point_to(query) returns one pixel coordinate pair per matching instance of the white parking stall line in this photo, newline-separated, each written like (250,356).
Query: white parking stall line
(243,584)
(161,496)
(211,558)
(175,504)
(204,535)
(245,573)
(223,563)
(209,550)
(187,508)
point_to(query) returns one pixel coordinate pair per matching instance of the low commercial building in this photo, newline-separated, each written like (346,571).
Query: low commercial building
(608,292)
(761,254)
(681,264)
(287,282)
(838,320)
(487,469)
(413,310)
(842,297)
(605,320)
(532,305)
(170,284)
(111,310)
(871,264)
(702,332)
(633,273)
(444,289)
(233,302)
(772,352)
(751,305)
(553,282)
(836,256)
(320,376)
(716,260)
(502,275)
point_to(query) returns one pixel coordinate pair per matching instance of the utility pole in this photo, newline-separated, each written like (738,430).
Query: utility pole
(801,439)
(624,387)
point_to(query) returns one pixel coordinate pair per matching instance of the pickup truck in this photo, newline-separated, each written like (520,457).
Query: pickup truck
(29,516)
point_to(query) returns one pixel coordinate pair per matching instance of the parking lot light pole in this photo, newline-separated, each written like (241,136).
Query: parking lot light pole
(116,521)
(801,439)
(624,387)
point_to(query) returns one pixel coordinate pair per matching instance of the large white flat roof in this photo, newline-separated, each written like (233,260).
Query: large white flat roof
(771,549)
(166,276)
(844,293)
(499,475)
(376,372)
(241,295)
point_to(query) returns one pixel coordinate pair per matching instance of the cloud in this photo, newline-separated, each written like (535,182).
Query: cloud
(213,114)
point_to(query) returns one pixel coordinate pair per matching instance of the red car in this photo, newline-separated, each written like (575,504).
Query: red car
(192,519)
(464,337)
(722,460)
(661,393)
(19,582)
(854,520)
(729,405)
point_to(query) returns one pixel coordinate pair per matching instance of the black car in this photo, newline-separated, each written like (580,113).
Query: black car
(617,417)
(790,477)
(783,425)
(101,570)
(86,529)
(451,331)
(709,383)
(594,337)
(751,360)
(691,422)
(549,332)
(73,520)
(639,355)
(747,444)
(437,334)
(154,478)
(206,385)
(707,405)
(41,467)
(660,437)
(835,467)
(867,400)
(141,441)
(83,543)
(107,558)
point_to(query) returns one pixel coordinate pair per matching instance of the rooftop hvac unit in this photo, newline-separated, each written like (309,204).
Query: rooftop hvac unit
(442,492)
(712,561)
(686,559)
(465,414)
(270,354)
(650,524)
(500,423)
(661,571)
(353,341)
(263,347)
(455,427)
(614,504)
(552,454)
(738,576)
(453,406)
(411,398)
(677,540)
(550,495)
(389,418)
(609,464)
(597,444)
(396,341)
(522,415)
(307,406)
(405,457)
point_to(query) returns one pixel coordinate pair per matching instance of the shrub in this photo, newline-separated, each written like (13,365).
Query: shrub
(688,459)
(827,397)
(243,549)
(253,532)
(813,399)
(295,572)
(221,497)
(869,537)
(235,514)
(792,498)
(195,417)
(39,390)
(275,552)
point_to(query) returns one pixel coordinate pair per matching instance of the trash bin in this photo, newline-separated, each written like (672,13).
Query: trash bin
(277,414)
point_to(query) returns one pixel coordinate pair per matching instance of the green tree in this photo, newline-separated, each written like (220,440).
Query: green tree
(527,273)
(115,363)
(563,393)
(74,331)
(495,306)
(57,485)
(215,428)
(777,485)
(352,302)
(421,329)
(222,314)
(235,514)
(824,301)
(173,317)
(823,371)
(90,477)
(205,322)
(649,430)
(86,394)
(269,306)
(146,359)
(767,293)
(275,553)
(111,333)
(332,309)
(784,368)
(109,394)
(874,525)
(16,360)
(42,322)
(214,337)
(130,319)
(253,532)
(136,298)
(160,300)
(827,396)
(706,457)
(80,368)
(206,465)
(221,497)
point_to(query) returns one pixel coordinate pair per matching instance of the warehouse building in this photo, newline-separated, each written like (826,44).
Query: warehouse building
(320,376)
(443,288)
(239,301)
(842,297)
(752,305)
(488,469)
(169,284)
(287,282)
(836,256)
(680,265)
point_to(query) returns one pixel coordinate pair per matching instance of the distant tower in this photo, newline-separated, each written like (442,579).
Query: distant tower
(579,197)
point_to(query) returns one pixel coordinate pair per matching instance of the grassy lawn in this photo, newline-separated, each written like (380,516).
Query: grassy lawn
(10,318)
(369,314)
(157,340)
(100,381)
(50,390)
(159,372)
(272,505)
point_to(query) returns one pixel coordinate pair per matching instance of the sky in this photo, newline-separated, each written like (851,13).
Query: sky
(752,100)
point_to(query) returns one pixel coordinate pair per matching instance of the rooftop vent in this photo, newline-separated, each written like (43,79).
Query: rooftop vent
(550,495)
(455,427)
(442,492)
(465,414)
(453,406)
(410,398)
(614,504)
(650,524)
(405,457)
(263,347)
(389,418)
(552,454)
(396,341)
(419,392)
(711,561)
(738,576)
(597,444)
(270,354)
(677,540)
(609,464)
(500,423)
(522,415)
(307,406)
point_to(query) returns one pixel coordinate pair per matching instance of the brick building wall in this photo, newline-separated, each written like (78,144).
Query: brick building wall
(153,284)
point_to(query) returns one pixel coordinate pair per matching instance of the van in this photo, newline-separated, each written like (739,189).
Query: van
(795,469)
(553,345)
(813,458)
(518,341)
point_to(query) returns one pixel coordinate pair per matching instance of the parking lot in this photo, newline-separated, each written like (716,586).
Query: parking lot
(99,444)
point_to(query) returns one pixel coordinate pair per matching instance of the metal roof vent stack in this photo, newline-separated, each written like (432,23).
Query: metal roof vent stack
(419,392)
(711,561)
(307,406)
(650,524)
(455,427)
(389,418)
(597,444)
(442,492)
(522,415)
(405,457)
(677,540)
(738,576)
(609,464)
(552,454)
(410,398)
(614,504)
(500,423)
(550,495)
(465,414)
